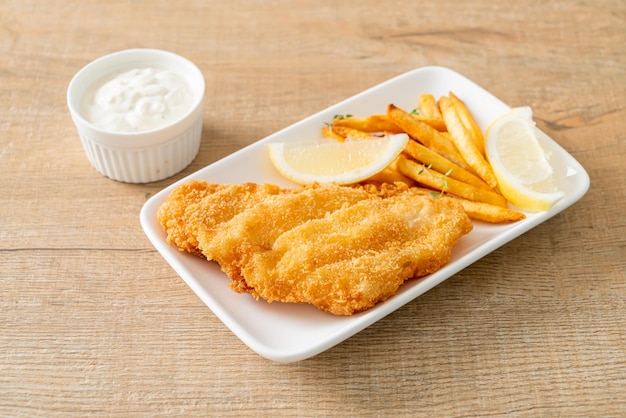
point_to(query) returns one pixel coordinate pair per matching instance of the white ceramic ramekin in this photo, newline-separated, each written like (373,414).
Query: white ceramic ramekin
(145,156)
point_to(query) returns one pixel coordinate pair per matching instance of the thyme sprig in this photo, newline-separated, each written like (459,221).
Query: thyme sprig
(444,178)
(338,116)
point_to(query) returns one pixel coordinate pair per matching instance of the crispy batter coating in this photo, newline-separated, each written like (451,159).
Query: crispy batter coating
(231,244)
(197,205)
(341,249)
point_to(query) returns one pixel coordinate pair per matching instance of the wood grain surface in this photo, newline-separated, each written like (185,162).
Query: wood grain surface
(93,322)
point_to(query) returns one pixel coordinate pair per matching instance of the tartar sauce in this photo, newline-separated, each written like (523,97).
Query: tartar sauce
(138,100)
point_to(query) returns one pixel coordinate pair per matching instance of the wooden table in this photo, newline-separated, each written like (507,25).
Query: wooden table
(94,322)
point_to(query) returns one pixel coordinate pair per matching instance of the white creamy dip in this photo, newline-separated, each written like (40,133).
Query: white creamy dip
(138,100)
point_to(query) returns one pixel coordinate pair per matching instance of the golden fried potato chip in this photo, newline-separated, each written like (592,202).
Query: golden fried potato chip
(428,107)
(481,211)
(328,132)
(469,122)
(390,175)
(372,123)
(425,134)
(442,183)
(465,143)
(438,124)
(429,158)
(346,132)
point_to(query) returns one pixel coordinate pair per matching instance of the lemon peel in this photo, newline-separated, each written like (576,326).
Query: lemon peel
(520,164)
(329,161)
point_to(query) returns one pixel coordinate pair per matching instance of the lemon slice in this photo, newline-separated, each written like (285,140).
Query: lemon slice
(525,176)
(326,160)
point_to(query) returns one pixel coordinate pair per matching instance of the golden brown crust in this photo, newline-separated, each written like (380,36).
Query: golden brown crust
(342,249)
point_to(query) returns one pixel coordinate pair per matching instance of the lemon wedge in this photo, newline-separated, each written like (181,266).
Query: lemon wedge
(329,161)
(521,166)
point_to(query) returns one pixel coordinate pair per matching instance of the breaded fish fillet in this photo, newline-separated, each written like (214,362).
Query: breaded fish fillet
(254,230)
(359,255)
(341,249)
(197,205)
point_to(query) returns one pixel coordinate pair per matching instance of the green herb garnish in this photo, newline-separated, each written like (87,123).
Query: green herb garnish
(444,177)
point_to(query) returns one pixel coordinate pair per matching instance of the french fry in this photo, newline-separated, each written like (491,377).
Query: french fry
(328,132)
(425,134)
(372,123)
(464,142)
(428,107)
(445,155)
(441,164)
(429,112)
(469,122)
(477,211)
(390,175)
(480,211)
(440,182)
(438,124)
(446,135)
(346,132)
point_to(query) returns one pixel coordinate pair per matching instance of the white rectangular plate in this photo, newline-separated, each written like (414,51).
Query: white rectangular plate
(288,332)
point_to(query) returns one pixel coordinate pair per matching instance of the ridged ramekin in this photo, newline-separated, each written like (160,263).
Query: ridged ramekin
(144,156)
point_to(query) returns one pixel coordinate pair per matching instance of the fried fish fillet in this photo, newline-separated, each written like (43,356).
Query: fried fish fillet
(254,230)
(359,255)
(199,205)
(341,249)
